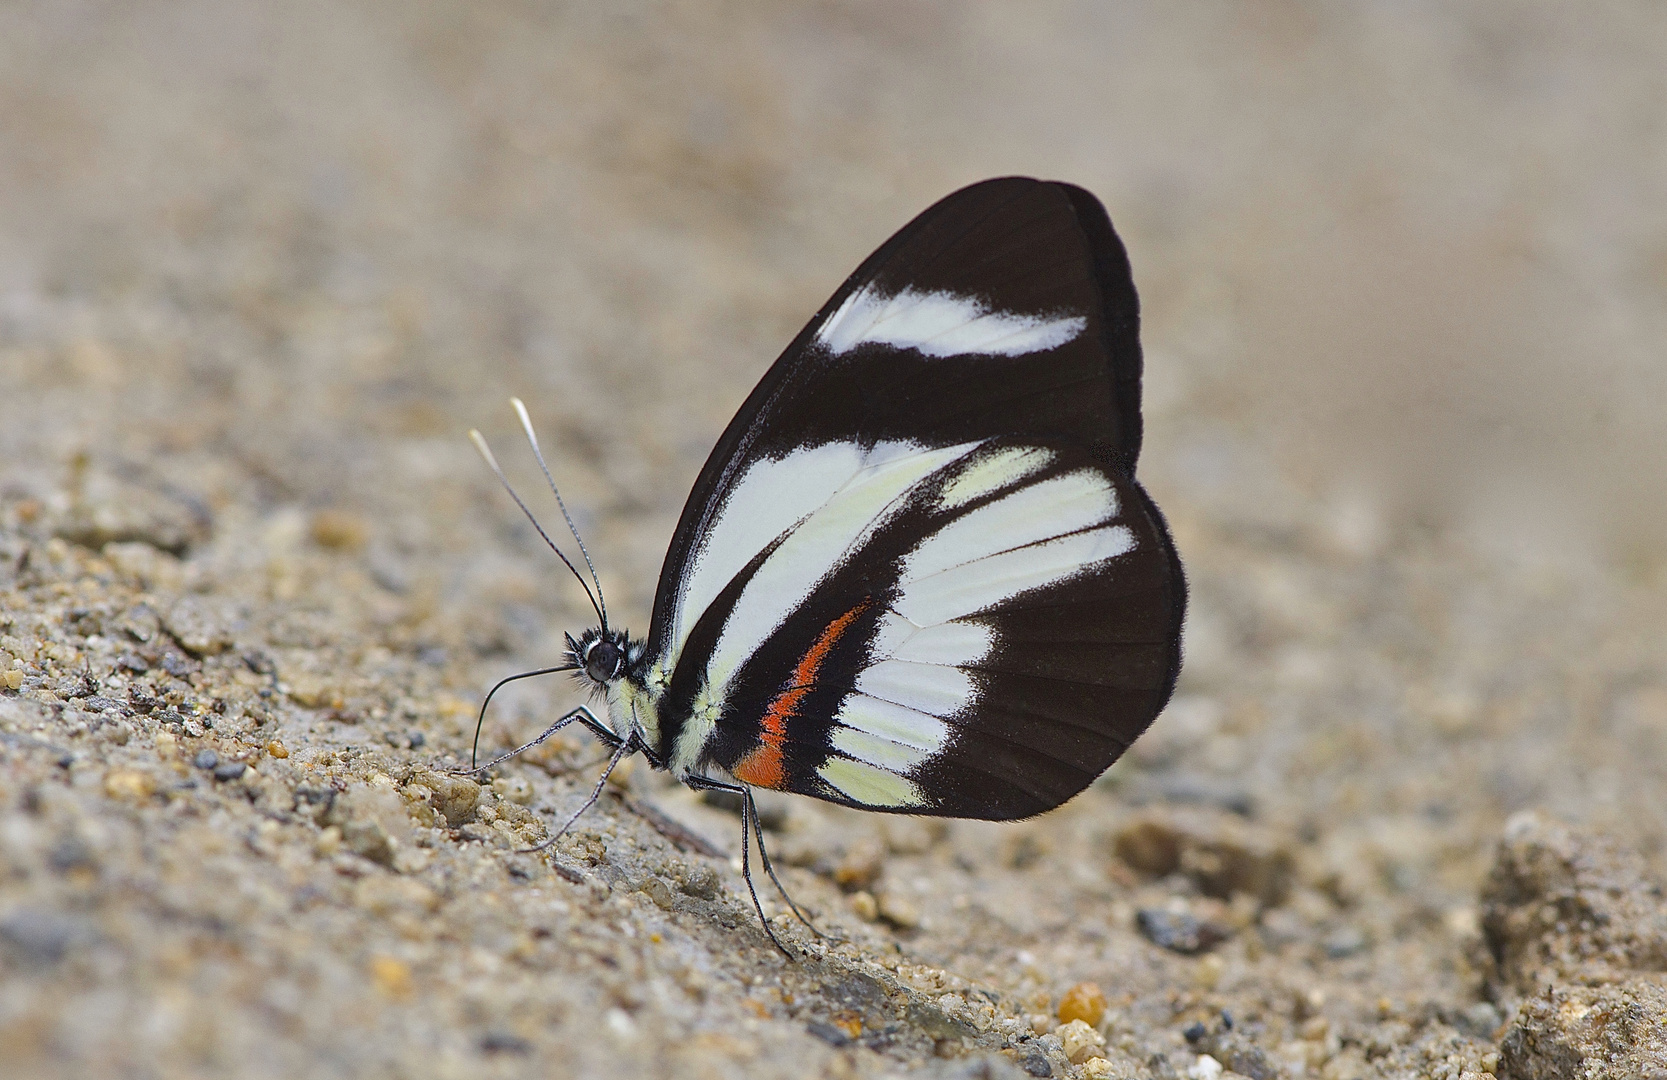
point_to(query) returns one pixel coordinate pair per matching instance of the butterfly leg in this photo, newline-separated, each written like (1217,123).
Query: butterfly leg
(749,829)
(624,749)
(749,820)
(581,715)
(764,857)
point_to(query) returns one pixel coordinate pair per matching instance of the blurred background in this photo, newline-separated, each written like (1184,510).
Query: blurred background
(1403,262)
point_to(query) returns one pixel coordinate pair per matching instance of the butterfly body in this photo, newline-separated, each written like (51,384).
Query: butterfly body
(917,574)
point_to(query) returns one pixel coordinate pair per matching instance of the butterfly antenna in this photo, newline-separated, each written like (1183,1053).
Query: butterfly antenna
(474,747)
(486,452)
(527,426)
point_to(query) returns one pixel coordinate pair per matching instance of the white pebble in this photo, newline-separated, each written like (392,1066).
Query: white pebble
(1205,1068)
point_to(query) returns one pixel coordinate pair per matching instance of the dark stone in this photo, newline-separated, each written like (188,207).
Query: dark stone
(1234,1049)
(100,703)
(206,760)
(40,937)
(1345,942)
(1245,1058)
(1179,931)
(70,853)
(133,662)
(230,770)
(502,1042)
(321,798)
(883,1039)
(79,686)
(828,1033)
(1034,1062)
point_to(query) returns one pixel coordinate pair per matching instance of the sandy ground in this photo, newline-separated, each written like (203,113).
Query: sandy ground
(263,265)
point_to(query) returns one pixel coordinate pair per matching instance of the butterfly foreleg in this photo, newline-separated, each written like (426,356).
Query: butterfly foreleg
(582,715)
(623,749)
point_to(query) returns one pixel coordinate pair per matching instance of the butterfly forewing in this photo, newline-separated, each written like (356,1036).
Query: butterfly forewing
(917,573)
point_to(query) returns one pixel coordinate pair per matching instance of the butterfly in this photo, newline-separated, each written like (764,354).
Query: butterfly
(917,574)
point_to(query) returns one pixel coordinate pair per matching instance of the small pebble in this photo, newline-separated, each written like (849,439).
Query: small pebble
(1085,1002)
(514,788)
(898,911)
(1179,931)
(14,679)
(1205,1068)
(865,906)
(502,1042)
(700,881)
(206,759)
(1034,1062)
(828,1033)
(1079,1041)
(392,976)
(277,749)
(620,1023)
(129,784)
(861,865)
(230,770)
(328,842)
(659,892)
(39,936)
(1345,942)
(338,530)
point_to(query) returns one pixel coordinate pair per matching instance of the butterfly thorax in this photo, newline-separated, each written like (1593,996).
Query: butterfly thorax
(615,666)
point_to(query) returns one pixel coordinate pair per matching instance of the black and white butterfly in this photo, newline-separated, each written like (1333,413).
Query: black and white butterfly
(917,574)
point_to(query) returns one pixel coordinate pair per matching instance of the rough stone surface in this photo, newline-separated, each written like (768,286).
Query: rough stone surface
(1614,1032)
(1561,907)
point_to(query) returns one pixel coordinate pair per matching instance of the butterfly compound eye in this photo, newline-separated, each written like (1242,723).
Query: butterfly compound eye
(603,660)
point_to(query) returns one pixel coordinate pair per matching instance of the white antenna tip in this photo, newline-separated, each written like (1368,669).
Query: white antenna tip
(485,451)
(527,425)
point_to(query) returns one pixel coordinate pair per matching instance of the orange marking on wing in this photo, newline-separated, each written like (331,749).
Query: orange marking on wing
(764,765)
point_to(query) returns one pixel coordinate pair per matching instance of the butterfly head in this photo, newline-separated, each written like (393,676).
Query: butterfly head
(603,656)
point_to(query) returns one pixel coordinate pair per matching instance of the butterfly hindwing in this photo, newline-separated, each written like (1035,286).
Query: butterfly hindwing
(959,660)
(917,573)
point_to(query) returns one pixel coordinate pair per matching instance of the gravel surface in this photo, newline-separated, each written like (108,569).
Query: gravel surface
(262,267)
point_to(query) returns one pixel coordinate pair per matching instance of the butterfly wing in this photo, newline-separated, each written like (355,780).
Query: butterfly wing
(917,573)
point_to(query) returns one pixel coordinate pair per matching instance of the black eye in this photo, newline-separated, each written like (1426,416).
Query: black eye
(603,660)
